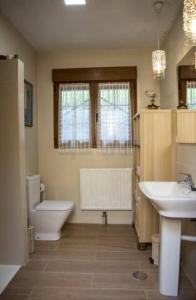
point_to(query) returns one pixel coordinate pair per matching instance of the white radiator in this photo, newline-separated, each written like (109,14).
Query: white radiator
(106,189)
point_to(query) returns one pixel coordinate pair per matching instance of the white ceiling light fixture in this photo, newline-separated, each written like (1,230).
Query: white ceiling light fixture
(189,21)
(75,2)
(158,56)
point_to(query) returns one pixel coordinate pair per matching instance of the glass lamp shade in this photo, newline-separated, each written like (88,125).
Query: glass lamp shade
(189,20)
(159,64)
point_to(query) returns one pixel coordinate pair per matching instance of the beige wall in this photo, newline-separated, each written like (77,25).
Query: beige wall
(186,154)
(60,172)
(12,42)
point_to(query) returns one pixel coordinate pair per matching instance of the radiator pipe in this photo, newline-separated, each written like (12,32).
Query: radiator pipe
(105,216)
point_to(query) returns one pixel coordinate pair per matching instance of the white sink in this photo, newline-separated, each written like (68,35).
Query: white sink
(171,199)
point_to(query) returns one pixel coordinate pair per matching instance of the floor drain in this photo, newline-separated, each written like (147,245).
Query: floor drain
(139,275)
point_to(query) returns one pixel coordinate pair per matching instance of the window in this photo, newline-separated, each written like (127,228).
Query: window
(191,94)
(114,115)
(74,115)
(187,86)
(93,113)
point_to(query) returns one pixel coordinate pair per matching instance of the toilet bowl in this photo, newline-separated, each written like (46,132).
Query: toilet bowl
(47,216)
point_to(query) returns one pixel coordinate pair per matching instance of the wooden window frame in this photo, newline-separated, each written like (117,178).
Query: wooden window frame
(185,73)
(93,76)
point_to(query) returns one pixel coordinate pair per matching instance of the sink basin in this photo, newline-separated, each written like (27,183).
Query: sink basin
(173,201)
(170,199)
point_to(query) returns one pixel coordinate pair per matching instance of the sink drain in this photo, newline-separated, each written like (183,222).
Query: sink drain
(139,275)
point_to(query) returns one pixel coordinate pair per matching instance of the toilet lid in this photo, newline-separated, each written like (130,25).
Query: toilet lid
(55,205)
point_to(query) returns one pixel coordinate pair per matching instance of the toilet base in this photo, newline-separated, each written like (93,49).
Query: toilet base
(47,236)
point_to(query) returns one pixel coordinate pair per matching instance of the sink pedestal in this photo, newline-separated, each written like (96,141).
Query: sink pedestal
(170,244)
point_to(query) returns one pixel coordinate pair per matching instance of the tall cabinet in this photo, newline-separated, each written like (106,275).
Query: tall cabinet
(154,160)
(13,210)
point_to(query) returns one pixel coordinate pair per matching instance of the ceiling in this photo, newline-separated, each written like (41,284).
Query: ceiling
(49,24)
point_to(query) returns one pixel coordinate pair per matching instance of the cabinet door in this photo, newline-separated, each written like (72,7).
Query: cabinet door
(157,146)
(186,127)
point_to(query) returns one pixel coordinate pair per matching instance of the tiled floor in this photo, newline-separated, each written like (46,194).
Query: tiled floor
(90,262)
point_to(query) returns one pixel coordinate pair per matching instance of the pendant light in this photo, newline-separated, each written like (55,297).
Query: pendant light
(189,21)
(158,56)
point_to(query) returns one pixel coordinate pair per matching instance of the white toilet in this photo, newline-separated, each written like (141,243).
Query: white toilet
(48,216)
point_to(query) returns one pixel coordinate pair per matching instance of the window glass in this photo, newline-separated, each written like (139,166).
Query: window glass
(114,112)
(74,114)
(191,94)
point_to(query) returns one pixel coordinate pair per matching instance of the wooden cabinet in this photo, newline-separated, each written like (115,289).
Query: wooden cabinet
(154,160)
(13,210)
(186,126)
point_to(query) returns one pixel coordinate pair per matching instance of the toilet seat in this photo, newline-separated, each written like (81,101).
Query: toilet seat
(54,205)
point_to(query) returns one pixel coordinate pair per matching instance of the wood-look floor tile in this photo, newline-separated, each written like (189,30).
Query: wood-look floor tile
(115,245)
(124,281)
(24,291)
(92,266)
(96,230)
(116,228)
(81,230)
(35,266)
(46,245)
(14,297)
(86,294)
(16,293)
(146,264)
(47,279)
(67,243)
(183,295)
(70,254)
(137,256)
(90,262)
(117,233)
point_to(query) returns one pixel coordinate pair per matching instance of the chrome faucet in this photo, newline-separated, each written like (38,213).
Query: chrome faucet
(189,181)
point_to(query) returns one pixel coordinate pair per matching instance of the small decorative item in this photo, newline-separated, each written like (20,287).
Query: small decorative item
(182,105)
(151,94)
(16,56)
(28,103)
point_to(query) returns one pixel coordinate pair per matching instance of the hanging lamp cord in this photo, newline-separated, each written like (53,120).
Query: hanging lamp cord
(158,29)
(158,5)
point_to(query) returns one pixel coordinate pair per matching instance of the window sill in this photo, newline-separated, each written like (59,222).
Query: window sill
(96,150)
